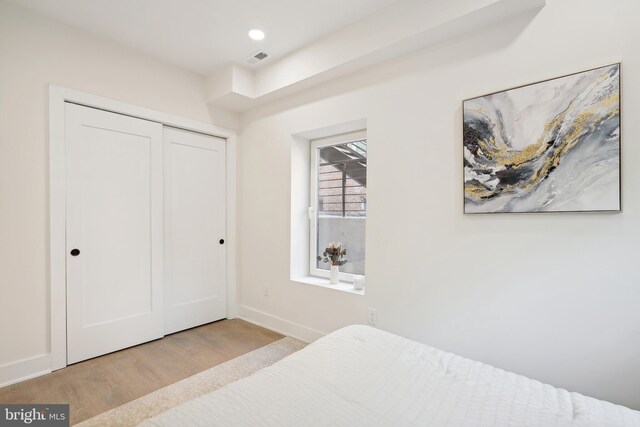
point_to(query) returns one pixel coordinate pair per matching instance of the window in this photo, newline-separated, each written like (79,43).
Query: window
(338,211)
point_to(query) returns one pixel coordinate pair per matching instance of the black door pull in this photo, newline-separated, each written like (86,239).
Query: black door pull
(75,252)
(222,241)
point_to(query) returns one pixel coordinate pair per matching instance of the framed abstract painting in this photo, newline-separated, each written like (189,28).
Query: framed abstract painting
(552,146)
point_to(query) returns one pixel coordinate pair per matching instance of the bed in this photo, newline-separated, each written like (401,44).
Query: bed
(362,376)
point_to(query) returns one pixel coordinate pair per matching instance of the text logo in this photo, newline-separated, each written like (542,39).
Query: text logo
(34,415)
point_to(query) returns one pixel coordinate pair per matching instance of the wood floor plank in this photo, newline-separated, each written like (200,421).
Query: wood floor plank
(97,385)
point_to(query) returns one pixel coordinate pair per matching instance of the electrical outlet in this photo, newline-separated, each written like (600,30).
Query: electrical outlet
(372,319)
(267,289)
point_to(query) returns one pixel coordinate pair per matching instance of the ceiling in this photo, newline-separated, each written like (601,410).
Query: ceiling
(201,35)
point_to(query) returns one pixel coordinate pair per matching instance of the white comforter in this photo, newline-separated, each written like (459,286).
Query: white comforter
(361,376)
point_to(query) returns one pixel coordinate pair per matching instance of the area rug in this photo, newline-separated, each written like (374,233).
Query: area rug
(134,412)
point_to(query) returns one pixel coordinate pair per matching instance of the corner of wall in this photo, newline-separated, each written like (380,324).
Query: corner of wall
(224,118)
(279,325)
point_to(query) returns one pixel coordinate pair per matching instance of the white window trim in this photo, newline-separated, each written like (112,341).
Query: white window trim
(313,198)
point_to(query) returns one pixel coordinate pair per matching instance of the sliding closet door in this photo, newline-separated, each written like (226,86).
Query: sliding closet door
(195,256)
(114,231)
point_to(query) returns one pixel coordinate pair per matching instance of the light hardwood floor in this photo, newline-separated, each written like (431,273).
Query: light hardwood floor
(97,385)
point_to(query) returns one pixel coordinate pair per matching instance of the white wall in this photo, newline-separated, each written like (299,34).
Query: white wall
(554,296)
(34,52)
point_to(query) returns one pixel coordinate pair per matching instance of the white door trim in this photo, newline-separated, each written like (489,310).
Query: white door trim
(57,200)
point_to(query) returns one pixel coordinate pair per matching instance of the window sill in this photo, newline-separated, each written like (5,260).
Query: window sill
(324,283)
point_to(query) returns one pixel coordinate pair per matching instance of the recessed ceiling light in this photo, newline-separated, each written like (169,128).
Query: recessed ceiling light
(256,34)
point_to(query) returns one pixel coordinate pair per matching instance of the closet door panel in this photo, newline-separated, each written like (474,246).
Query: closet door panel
(195,254)
(114,231)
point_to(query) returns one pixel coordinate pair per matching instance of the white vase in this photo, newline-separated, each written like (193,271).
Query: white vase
(334,274)
(358,282)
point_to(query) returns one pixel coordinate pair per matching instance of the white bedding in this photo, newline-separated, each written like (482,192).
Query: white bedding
(361,376)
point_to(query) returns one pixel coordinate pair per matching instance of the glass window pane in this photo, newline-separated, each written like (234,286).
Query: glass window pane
(342,202)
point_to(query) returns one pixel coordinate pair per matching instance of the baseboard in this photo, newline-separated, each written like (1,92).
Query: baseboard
(24,369)
(278,325)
